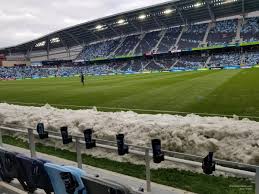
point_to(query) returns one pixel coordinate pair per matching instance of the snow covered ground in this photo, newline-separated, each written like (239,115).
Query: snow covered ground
(229,138)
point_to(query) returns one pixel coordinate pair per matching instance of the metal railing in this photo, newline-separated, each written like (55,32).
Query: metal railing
(235,168)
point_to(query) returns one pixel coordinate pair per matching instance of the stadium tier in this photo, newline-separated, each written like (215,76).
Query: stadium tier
(250,30)
(148,43)
(186,61)
(219,33)
(169,39)
(227,59)
(223,32)
(193,36)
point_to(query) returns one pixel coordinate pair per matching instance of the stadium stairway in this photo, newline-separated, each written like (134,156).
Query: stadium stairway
(126,180)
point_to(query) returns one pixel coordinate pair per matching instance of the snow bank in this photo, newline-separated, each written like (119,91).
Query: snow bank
(231,139)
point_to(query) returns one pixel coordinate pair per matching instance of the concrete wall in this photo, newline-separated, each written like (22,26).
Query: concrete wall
(13,63)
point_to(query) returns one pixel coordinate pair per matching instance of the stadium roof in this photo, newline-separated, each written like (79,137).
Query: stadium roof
(163,15)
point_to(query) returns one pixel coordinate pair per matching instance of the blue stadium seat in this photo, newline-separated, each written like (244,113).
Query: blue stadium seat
(65,180)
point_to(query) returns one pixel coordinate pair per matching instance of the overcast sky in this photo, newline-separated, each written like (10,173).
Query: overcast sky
(23,20)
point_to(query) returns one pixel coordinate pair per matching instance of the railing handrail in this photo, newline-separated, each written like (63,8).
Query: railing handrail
(172,154)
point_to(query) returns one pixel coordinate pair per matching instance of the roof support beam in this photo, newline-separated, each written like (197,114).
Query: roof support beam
(159,24)
(63,42)
(72,37)
(181,15)
(28,53)
(66,47)
(243,8)
(48,39)
(212,15)
(117,33)
(134,26)
(91,32)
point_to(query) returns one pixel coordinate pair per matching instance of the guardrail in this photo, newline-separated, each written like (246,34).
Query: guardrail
(239,169)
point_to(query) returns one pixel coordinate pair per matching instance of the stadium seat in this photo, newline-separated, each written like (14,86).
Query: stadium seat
(65,137)
(10,168)
(33,174)
(96,185)
(65,180)
(41,131)
(7,170)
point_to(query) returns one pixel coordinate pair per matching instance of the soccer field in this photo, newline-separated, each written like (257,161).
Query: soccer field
(218,92)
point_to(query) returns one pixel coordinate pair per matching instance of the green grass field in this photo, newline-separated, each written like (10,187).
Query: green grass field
(220,92)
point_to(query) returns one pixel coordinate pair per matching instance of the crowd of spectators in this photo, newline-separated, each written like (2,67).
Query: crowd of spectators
(128,45)
(250,30)
(193,36)
(226,59)
(191,61)
(223,33)
(169,39)
(39,72)
(148,42)
(99,50)
(251,58)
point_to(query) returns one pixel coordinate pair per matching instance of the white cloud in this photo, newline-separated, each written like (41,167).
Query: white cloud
(71,21)
(30,19)
(28,34)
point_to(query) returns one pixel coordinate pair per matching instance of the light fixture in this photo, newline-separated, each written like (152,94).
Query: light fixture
(54,40)
(40,44)
(229,1)
(168,11)
(121,21)
(197,5)
(98,27)
(142,17)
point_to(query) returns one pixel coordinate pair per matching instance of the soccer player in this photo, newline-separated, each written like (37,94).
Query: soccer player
(82,78)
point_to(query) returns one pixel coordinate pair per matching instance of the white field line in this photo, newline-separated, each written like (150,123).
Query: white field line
(129,109)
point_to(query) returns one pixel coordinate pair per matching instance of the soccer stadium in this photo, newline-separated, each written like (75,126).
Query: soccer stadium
(162,99)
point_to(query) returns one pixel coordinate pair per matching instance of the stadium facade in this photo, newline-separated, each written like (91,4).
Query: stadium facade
(177,34)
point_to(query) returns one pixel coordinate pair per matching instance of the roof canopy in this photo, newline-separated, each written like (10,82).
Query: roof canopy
(159,16)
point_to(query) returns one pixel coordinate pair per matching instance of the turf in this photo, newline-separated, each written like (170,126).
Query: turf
(220,92)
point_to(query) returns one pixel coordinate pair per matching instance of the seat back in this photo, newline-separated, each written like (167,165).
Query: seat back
(65,137)
(8,165)
(65,180)
(33,173)
(41,131)
(97,185)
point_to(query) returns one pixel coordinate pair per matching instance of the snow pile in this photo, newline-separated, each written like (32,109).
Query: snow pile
(231,139)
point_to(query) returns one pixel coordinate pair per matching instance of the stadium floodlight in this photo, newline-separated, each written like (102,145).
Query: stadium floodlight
(40,44)
(142,17)
(55,40)
(197,5)
(168,11)
(98,27)
(121,21)
(229,1)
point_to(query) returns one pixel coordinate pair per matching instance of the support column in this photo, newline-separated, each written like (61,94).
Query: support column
(31,143)
(147,160)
